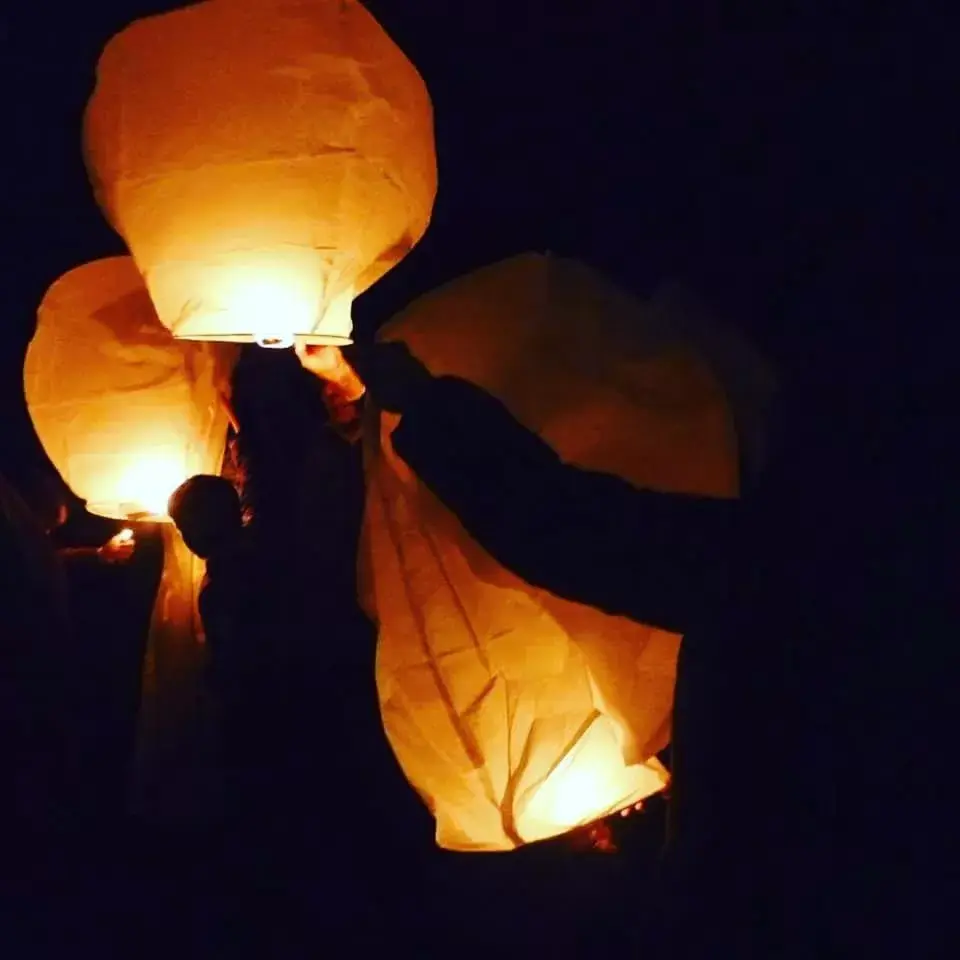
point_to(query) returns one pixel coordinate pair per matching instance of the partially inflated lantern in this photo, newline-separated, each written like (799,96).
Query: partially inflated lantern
(126,413)
(518,715)
(266,161)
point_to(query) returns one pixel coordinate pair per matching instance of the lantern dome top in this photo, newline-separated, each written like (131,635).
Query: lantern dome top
(266,162)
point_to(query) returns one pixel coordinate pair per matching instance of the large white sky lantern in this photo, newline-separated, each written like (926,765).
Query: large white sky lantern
(124,411)
(265,160)
(518,715)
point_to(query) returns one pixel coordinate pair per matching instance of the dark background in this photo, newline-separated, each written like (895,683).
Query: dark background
(771,159)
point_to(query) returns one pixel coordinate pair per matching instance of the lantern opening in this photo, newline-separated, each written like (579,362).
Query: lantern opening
(273,307)
(272,303)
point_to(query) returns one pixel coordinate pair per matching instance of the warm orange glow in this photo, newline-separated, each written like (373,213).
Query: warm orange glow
(272,304)
(517,715)
(124,536)
(487,692)
(591,781)
(265,162)
(125,412)
(144,485)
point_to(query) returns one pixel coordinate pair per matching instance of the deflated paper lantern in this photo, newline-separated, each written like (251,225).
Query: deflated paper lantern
(518,715)
(124,411)
(266,161)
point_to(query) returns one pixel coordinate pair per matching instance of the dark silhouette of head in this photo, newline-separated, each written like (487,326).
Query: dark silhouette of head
(207,512)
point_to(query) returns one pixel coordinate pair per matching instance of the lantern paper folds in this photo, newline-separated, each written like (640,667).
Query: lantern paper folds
(124,411)
(515,714)
(266,161)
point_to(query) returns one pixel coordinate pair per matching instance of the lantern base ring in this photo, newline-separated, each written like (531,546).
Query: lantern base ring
(272,341)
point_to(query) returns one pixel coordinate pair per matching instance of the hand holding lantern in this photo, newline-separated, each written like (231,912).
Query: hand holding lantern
(119,548)
(330,365)
(389,370)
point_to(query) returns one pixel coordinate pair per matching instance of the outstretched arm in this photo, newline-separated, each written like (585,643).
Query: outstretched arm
(586,536)
(118,549)
(343,390)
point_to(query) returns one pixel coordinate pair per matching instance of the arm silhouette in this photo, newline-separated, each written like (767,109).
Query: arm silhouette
(583,535)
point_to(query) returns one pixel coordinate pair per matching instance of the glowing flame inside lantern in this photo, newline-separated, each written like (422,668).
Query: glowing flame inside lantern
(144,485)
(272,300)
(124,412)
(270,307)
(591,782)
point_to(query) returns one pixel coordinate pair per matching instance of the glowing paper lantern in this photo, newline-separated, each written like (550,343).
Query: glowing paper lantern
(124,411)
(266,161)
(515,714)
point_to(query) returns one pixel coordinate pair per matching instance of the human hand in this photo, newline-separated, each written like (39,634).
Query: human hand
(329,364)
(119,548)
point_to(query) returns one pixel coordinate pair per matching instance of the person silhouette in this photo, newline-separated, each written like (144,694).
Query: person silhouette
(765,590)
(35,636)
